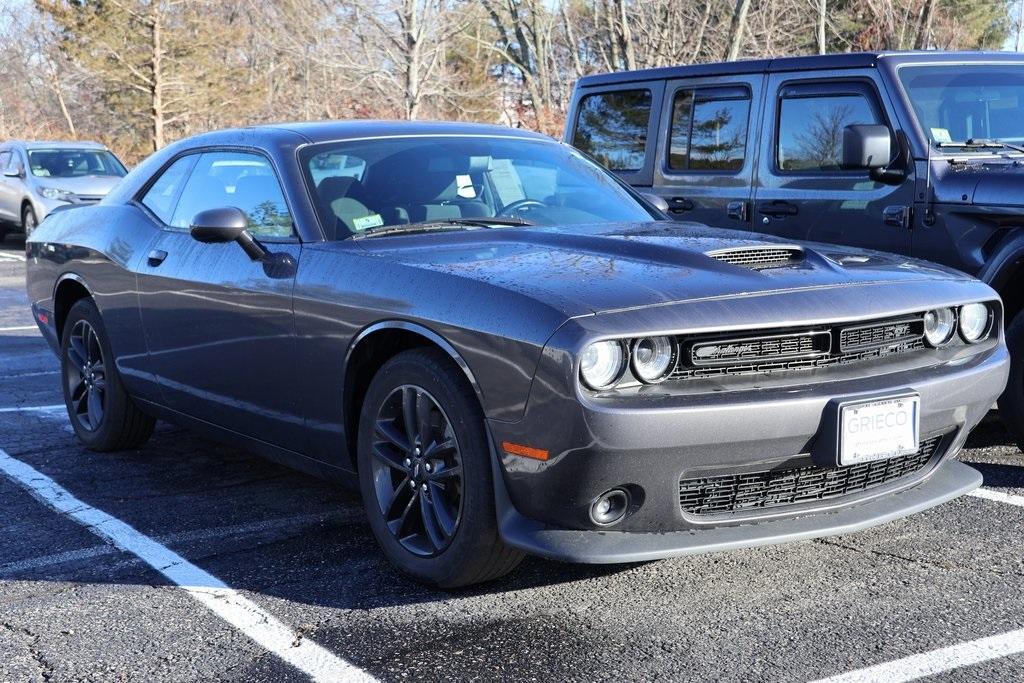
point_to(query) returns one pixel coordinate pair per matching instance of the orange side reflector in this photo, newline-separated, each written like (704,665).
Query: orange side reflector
(525,451)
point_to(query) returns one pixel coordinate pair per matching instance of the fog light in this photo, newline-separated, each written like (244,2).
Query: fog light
(610,507)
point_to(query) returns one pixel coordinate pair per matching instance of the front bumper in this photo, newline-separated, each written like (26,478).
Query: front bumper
(648,443)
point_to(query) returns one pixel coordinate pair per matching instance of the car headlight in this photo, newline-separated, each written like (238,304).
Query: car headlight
(974,322)
(56,193)
(652,358)
(939,325)
(602,363)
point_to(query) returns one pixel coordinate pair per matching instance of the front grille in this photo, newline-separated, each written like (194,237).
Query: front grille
(762,349)
(784,351)
(759,257)
(778,488)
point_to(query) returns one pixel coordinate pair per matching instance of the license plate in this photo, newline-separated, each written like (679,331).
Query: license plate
(879,429)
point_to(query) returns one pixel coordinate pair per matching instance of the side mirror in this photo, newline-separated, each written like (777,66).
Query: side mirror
(659,202)
(16,172)
(866,147)
(227,224)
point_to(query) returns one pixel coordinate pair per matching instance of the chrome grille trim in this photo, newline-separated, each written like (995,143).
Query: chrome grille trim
(766,349)
(874,335)
(757,258)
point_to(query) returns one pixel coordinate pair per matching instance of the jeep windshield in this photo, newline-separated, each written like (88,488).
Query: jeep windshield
(972,107)
(438,183)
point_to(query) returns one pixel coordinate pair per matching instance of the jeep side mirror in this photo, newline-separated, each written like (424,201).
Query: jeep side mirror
(226,224)
(656,200)
(866,148)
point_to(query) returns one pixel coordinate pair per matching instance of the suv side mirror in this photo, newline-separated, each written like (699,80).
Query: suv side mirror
(866,147)
(227,224)
(15,172)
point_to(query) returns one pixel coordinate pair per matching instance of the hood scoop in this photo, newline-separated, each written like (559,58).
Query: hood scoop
(759,258)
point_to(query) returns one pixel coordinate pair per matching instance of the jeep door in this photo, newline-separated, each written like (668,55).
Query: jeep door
(801,190)
(704,166)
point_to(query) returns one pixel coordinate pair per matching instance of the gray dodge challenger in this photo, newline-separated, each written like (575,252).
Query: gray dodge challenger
(509,351)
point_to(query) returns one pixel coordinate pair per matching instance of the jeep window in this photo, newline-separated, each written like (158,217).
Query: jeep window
(810,135)
(709,129)
(964,102)
(406,181)
(612,128)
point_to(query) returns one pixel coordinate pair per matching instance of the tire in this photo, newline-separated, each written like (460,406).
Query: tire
(448,535)
(89,378)
(28,220)
(1011,403)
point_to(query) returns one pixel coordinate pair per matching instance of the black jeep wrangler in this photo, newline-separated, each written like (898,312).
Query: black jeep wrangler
(920,153)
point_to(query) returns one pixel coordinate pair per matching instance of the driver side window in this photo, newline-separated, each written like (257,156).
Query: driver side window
(243,180)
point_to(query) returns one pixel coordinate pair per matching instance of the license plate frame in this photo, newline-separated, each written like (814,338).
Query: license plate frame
(878,428)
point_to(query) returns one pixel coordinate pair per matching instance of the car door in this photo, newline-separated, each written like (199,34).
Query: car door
(705,162)
(802,191)
(218,324)
(8,191)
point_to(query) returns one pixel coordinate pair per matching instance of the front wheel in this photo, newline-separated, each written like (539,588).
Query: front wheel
(1011,403)
(102,414)
(28,220)
(425,473)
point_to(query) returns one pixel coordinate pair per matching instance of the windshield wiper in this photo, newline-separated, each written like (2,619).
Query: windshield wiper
(977,143)
(440,225)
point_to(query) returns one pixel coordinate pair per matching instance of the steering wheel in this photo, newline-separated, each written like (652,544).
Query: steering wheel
(514,207)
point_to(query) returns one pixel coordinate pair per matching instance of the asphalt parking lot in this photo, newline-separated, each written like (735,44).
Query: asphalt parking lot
(269,575)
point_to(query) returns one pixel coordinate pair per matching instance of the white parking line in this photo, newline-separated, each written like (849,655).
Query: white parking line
(213,533)
(989,494)
(12,256)
(20,328)
(46,410)
(218,597)
(937,661)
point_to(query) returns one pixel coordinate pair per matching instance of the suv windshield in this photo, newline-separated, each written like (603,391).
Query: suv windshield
(361,185)
(957,103)
(74,163)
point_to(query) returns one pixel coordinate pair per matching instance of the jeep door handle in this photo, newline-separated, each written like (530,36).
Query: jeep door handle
(778,209)
(680,204)
(156,257)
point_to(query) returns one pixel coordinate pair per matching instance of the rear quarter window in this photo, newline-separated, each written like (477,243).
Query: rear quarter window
(612,127)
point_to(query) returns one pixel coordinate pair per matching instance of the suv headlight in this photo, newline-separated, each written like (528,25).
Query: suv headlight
(974,322)
(602,363)
(56,193)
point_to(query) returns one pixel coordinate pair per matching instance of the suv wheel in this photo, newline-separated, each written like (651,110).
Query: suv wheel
(425,473)
(28,220)
(102,414)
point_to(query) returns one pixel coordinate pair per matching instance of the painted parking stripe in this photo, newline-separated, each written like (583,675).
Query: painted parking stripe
(11,256)
(214,594)
(45,410)
(937,661)
(19,328)
(990,494)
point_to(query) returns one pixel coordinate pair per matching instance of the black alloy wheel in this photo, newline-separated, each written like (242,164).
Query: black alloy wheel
(417,471)
(86,376)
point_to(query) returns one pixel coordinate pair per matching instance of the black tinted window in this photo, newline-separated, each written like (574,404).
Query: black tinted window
(612,128)
(162,194)
(811,129)
(709,129)
(74,163)
(245,181)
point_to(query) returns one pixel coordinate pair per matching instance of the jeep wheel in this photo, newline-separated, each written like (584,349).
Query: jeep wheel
(1011,403)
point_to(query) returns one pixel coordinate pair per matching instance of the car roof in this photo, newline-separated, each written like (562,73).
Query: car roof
(57,144)
(326,131)
(850,60)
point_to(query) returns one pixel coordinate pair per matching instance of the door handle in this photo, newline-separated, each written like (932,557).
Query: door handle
(680,204)
(896,216)
(737,210)
(778,209)
(156,257)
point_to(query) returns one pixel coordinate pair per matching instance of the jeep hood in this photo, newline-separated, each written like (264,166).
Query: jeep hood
(610,267)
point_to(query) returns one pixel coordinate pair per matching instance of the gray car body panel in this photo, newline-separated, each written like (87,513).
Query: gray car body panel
(260,356)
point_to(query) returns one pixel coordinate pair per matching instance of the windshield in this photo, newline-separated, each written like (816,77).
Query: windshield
(74,163)
(361,185)
(967,102)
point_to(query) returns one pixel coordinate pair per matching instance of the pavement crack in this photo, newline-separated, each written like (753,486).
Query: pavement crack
(38,658)
(946,566)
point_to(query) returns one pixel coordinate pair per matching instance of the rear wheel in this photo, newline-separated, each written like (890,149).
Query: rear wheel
(28,220)
(425,473)
(101,412)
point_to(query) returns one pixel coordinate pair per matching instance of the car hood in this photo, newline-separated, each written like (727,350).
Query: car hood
(93,185)
(609,267)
